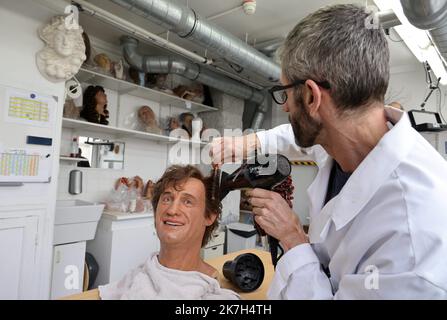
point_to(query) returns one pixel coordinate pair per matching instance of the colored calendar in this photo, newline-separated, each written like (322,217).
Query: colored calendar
(19,164)
(24,166)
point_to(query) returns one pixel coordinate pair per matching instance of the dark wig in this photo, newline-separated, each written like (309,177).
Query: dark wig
(89,112)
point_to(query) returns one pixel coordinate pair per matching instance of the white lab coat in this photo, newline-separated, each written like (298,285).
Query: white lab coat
(384,236)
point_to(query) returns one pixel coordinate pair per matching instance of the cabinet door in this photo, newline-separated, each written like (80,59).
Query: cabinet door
(68,269)
(212,252)
(131,246)
(154,237)
(18,243)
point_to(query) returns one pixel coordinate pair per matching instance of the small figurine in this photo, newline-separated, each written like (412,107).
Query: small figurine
(138,184)
(118,69)
(149,190)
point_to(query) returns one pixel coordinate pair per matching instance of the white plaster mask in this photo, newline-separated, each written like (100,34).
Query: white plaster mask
(64,52)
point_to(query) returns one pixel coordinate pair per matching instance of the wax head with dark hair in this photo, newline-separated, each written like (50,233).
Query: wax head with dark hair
(91,101)
(175,177)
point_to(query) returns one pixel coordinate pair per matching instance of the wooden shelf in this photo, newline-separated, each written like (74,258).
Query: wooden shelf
(126,87)
(83,127)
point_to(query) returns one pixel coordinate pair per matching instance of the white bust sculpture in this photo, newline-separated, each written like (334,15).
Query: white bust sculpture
(64,52)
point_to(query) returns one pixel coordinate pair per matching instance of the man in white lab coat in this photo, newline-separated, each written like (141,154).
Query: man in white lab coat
(378,205)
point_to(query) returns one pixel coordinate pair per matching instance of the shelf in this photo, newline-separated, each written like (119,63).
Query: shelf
(62,158)
(126,87)
(82,127)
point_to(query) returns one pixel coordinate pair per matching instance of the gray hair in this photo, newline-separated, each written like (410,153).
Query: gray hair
(333,44)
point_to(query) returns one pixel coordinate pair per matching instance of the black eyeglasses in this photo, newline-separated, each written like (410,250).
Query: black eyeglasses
(279,93)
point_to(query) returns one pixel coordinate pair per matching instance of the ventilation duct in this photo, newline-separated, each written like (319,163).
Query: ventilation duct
(189,70)
(429,15)
(188,24)
(270,47)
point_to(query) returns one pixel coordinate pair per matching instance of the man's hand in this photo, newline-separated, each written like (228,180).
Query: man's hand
(274,215)
(232,149)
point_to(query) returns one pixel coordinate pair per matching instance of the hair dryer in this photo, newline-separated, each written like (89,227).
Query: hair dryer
(263,172)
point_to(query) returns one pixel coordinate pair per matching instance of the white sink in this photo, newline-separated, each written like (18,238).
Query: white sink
(76,220)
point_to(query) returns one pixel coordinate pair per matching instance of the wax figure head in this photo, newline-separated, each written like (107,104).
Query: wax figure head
(95,105)
(185,215)
(148,119)
(337,66)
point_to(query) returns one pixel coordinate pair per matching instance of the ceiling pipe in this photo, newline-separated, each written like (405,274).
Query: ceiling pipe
(189,70)
(388,19)
(270,47)
(189,25)
(146,36)
(429,15)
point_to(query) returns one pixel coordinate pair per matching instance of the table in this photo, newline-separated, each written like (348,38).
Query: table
(259,294)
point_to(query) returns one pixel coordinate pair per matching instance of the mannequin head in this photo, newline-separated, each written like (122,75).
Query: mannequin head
(148,120)
(95,105)
(185,120)
(147,116)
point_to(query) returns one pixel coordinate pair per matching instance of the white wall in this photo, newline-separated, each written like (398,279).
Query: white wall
(407,85)
(19,22)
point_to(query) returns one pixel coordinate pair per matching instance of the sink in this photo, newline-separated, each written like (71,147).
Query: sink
(76,220)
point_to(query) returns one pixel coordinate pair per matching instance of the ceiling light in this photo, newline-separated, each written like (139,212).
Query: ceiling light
(417,40)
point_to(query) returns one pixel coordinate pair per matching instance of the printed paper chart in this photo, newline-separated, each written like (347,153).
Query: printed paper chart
(19,164)
(28,109)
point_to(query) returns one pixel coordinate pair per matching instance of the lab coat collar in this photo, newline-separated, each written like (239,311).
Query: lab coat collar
(374,170)
(364,181)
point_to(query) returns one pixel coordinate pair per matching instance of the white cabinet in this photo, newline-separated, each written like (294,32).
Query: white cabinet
(68,269)
(215,247)
(18,248)
(122,242)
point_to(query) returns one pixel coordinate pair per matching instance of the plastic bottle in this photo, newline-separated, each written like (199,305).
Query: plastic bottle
(74,147)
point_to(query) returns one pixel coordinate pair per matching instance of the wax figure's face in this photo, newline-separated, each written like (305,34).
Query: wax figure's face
(180,218)
(101,98)
(146,115)
(305,128)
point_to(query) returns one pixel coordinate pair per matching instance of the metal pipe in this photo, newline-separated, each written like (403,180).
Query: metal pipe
(184,68)
(388,19)
(147,36)
(138,32)
(188,24)
(429,15)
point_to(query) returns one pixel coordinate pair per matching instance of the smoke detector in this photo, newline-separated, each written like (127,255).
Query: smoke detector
(249,6)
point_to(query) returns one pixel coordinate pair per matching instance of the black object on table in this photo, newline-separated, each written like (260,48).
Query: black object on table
(246,272)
